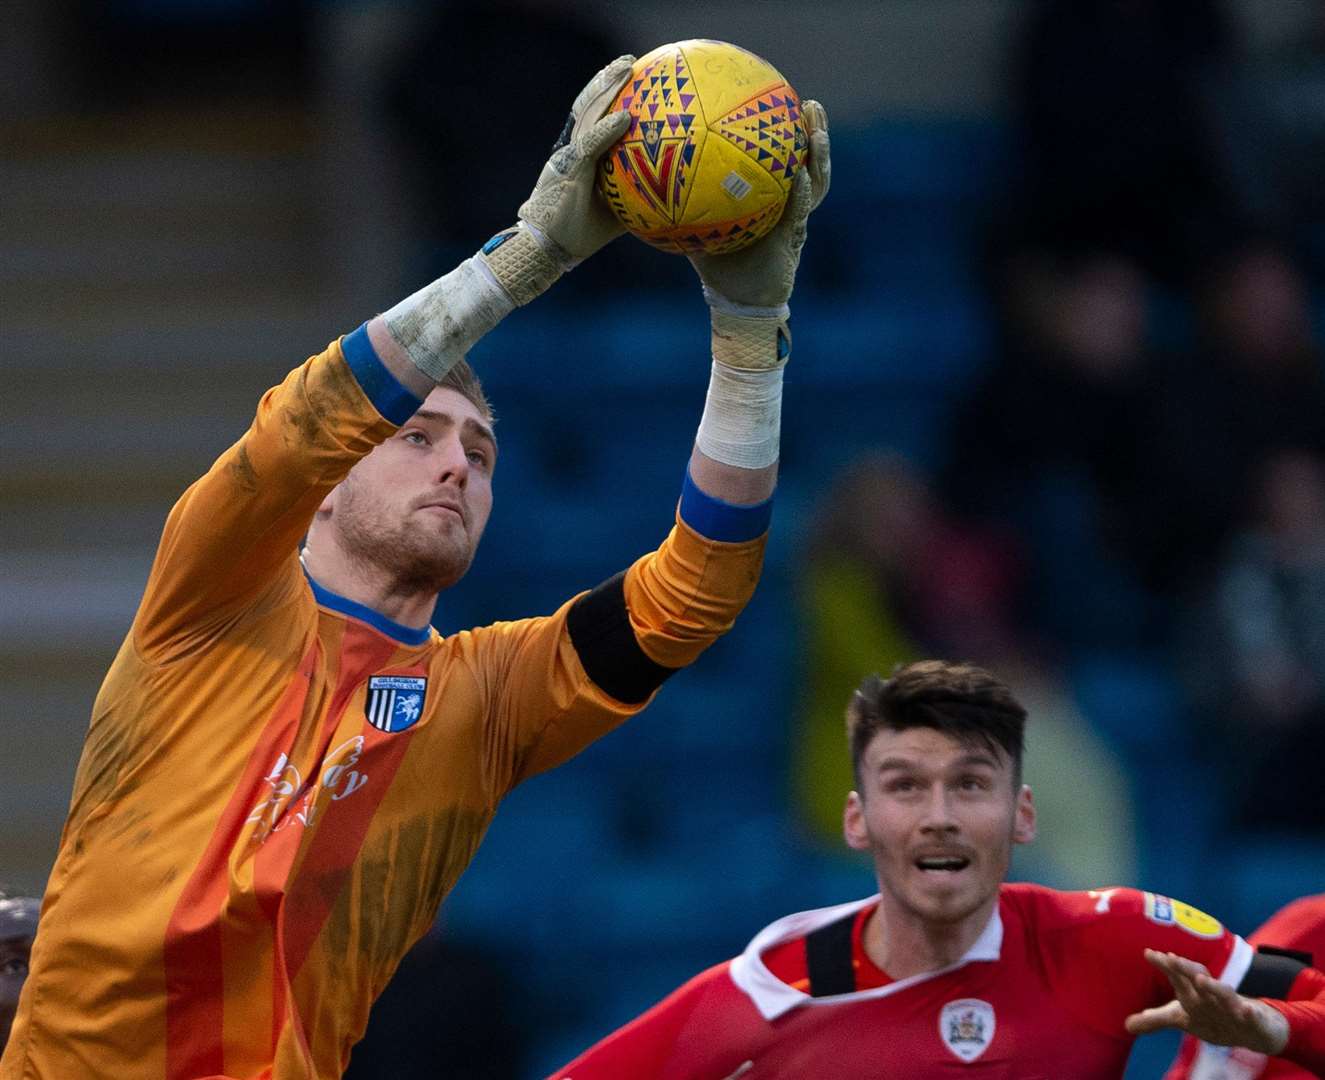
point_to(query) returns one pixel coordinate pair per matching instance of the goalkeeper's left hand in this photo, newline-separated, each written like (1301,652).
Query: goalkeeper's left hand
(1211,1010)
(737,445)
(748,290)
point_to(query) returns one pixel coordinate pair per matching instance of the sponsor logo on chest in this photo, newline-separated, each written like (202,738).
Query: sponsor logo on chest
(966,1027)
(394,702)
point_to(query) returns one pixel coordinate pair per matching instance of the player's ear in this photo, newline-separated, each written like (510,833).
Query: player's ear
(1023,828)
(853,823)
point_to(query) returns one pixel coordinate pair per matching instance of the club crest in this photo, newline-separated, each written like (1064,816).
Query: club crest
(966,1027)
(394,702)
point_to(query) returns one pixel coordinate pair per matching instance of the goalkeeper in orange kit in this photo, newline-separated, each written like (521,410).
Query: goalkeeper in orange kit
(287,768)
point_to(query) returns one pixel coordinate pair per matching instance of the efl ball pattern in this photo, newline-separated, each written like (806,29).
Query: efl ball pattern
(716,137)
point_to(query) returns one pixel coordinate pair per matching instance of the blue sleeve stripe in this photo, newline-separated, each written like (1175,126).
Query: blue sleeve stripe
(392,400)
(723,521)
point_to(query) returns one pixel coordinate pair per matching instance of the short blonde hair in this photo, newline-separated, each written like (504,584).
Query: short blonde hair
(463,381)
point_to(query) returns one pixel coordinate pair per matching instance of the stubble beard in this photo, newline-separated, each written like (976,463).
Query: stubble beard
(414,558)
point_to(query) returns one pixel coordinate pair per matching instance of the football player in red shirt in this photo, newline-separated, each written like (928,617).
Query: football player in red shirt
(948,970)
(1297,930)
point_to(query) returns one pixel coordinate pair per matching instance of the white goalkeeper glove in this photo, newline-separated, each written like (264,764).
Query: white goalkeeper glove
(564,220)
(748,290)
(747,293)
(561,223)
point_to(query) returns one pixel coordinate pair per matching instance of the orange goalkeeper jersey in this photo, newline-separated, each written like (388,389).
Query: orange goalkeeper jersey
(278,786)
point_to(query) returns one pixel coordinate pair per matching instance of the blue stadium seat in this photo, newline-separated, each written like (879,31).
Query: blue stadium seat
(1131,698)
(893,339)
(947,160)
(1255,875)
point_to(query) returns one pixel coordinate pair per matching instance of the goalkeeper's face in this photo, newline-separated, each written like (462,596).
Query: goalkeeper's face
(939,816)
(417,505)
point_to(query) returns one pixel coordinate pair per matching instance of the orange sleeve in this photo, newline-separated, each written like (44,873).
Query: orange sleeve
(544,707)
(687,594)
(233,536)
(539,706)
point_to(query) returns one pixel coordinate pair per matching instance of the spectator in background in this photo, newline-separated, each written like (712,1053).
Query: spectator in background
(1254,383)
(1274,124)
(1259,650)
(1114,98)
(18,926)
(1050,443)
(893,575)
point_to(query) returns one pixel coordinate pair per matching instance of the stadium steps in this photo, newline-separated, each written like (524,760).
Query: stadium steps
(153,269)
(156,272)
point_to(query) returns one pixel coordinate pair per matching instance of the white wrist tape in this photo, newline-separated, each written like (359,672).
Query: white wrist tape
(441,322)
(742,419)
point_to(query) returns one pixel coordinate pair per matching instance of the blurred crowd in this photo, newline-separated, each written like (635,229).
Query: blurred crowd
(1140,471)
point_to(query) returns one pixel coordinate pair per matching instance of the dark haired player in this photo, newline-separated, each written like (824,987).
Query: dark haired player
(287,768)
(1297,930)
(949,970)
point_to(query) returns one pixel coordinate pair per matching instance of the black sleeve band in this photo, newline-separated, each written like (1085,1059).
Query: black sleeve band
(828,958)
(599,626)
(1272,972)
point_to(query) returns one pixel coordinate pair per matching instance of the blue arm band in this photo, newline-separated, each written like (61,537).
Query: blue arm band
(725,522)
(391,400)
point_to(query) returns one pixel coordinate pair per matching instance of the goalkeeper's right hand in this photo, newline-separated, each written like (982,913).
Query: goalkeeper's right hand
(561,223)
(564,215)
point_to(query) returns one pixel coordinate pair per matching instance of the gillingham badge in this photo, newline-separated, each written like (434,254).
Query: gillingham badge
(966,1027)
(394,702)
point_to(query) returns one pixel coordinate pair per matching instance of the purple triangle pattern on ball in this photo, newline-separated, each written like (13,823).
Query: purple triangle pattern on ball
(673,179)
(768,129)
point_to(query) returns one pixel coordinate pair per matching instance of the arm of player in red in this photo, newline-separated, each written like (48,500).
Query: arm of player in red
(1292,1029)
(683,1037)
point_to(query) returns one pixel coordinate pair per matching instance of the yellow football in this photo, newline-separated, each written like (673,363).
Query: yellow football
(716,137)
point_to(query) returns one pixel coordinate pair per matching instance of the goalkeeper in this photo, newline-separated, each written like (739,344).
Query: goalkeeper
(287,768)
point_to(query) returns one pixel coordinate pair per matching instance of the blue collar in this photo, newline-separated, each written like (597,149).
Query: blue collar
(407,635)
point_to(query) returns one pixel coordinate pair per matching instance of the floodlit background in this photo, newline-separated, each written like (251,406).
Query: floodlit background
(1056,405)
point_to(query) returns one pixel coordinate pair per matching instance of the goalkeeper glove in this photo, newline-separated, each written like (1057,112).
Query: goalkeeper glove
(561,223)
(748,290)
